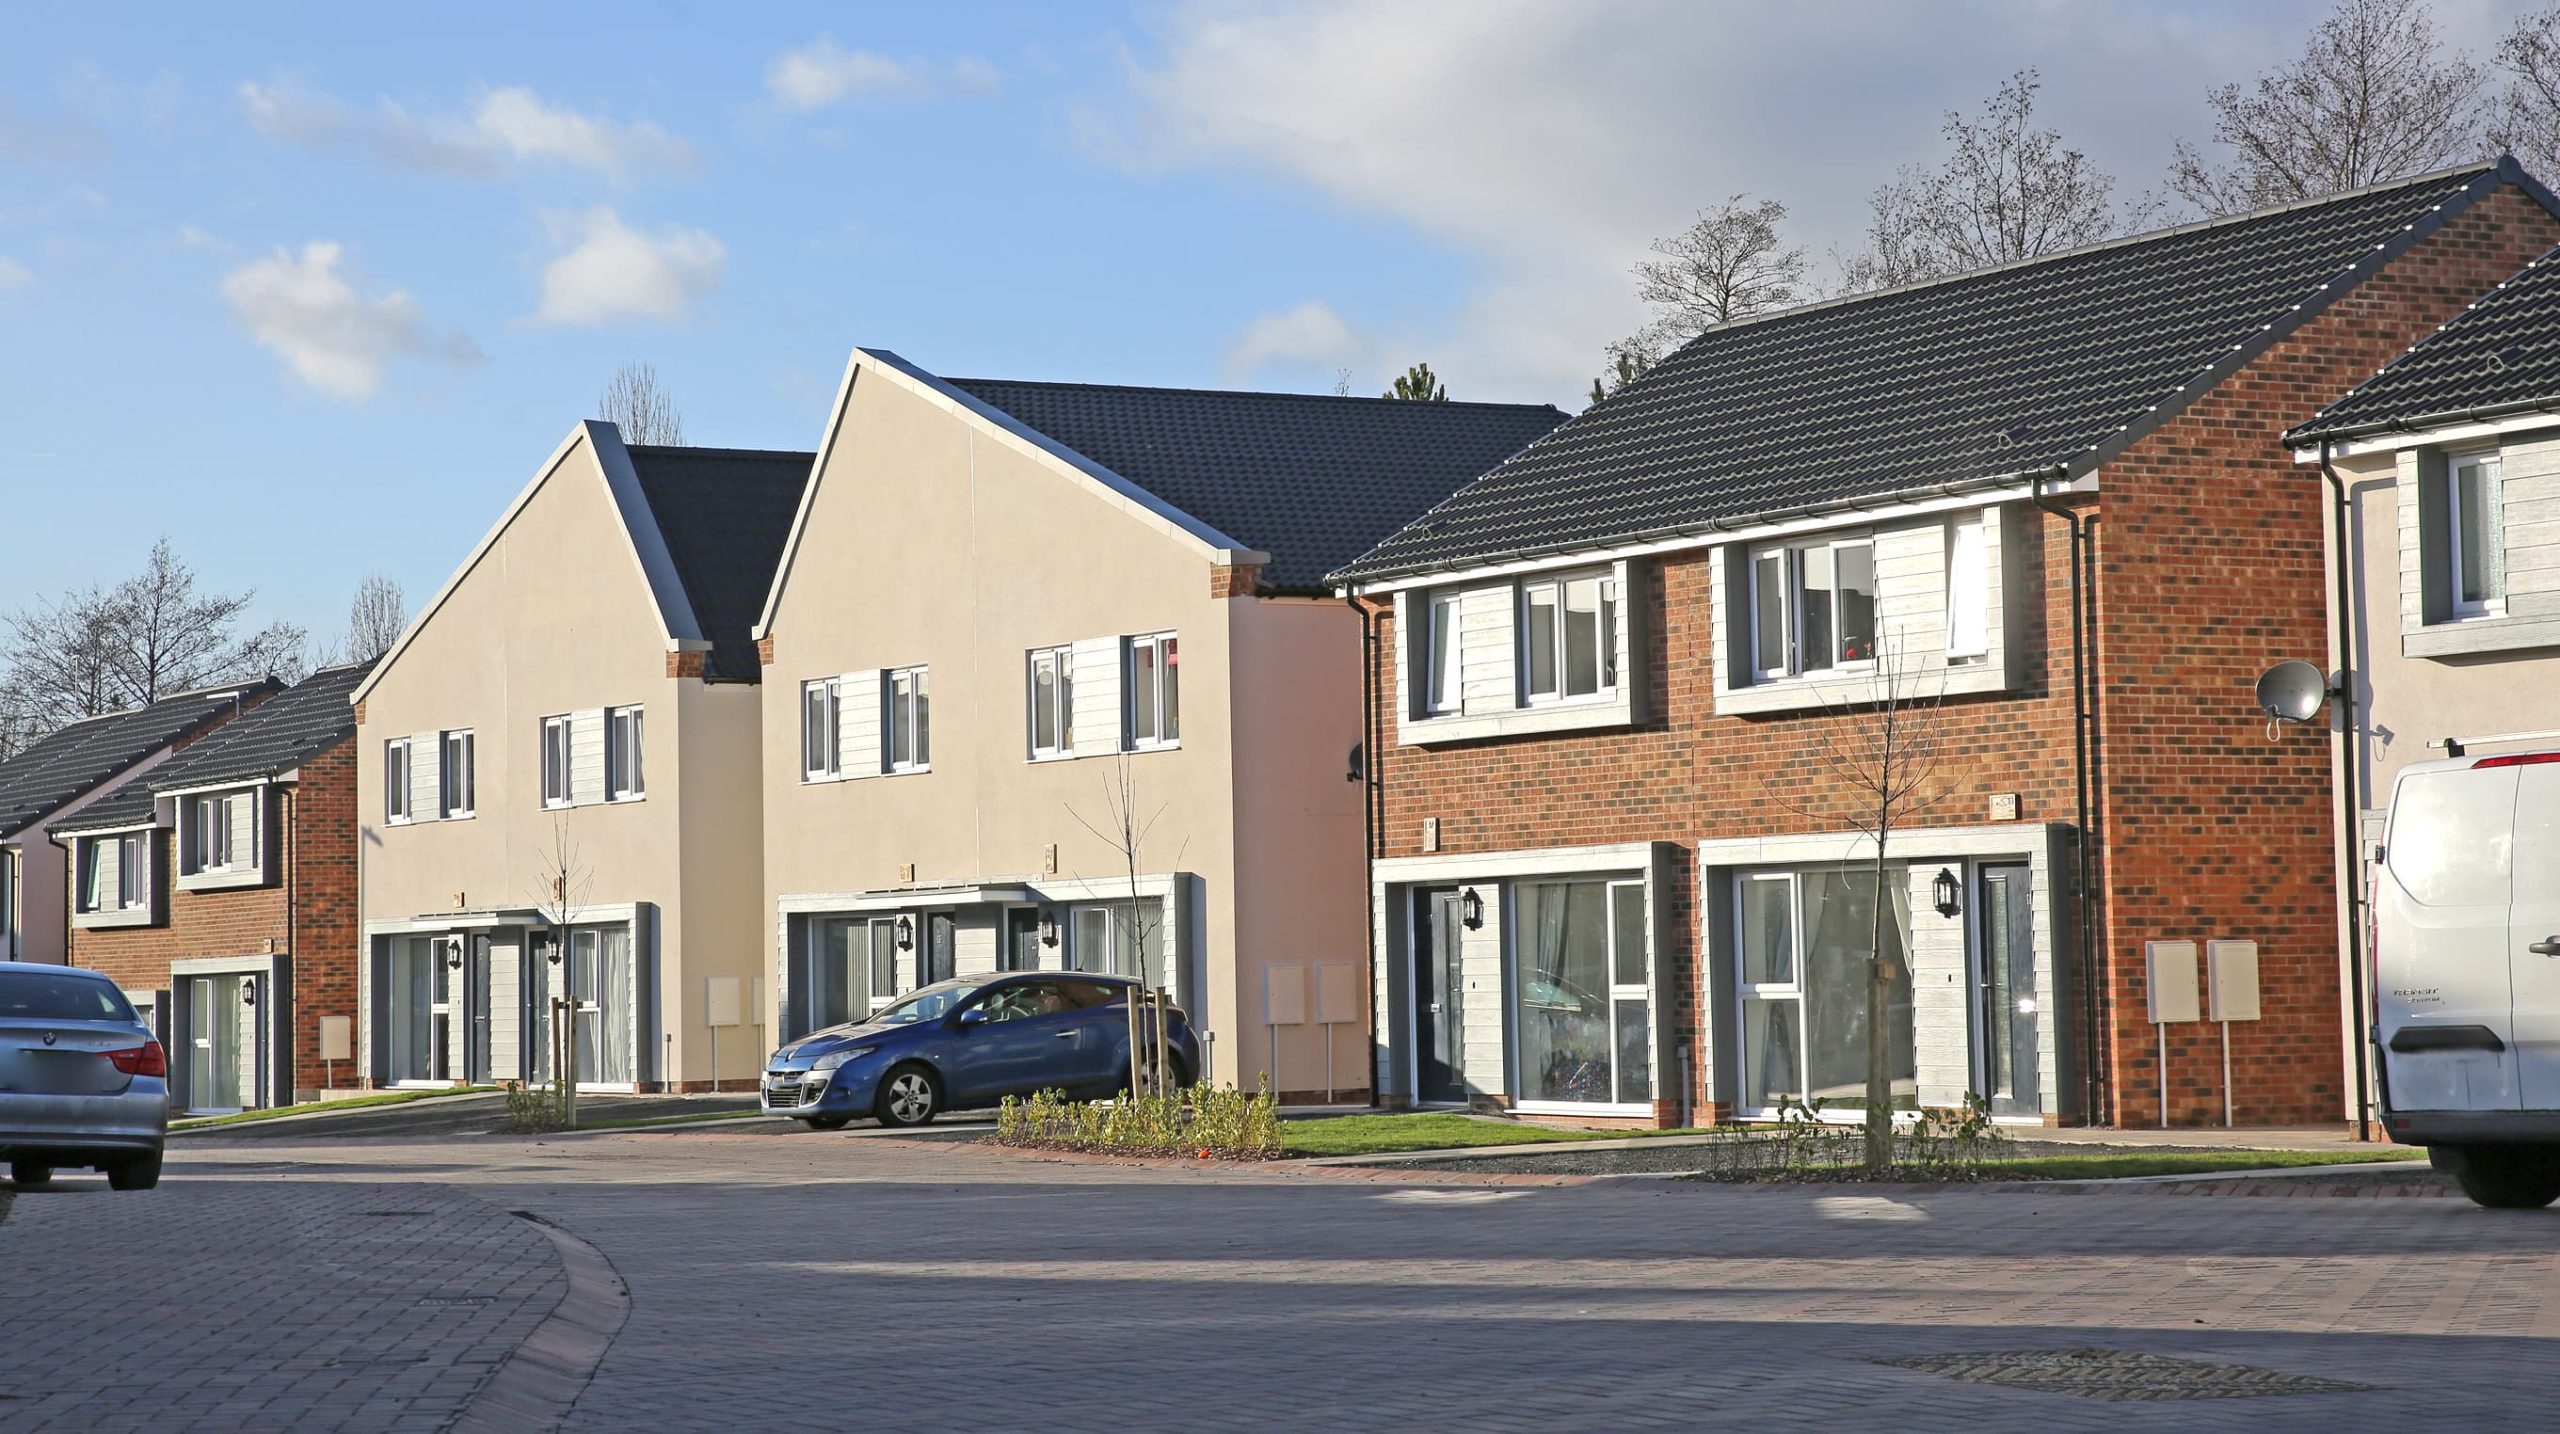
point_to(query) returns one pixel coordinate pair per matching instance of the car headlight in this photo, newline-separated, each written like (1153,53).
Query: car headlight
(833,1059)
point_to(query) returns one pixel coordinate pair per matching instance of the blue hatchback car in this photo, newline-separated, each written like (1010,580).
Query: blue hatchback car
(971,1042)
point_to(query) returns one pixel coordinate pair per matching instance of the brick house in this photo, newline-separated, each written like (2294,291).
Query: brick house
(219,890)
(1613,875)
(66,772)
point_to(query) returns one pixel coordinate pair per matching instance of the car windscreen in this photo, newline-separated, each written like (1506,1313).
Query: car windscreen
(931,1003)
(61,996)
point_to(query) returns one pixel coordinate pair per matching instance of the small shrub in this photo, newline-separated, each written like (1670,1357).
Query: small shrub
(1206,1122)
(532,1109)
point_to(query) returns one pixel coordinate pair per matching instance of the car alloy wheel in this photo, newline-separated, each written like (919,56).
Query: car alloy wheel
(907,1098)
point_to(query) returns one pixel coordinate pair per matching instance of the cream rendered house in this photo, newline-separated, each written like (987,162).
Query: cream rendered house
(570,729)
(1009,611)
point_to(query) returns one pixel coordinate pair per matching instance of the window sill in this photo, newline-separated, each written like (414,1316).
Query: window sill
(221,880)
(627,799)
(2474,636)
(906,771)
(1173,746)
(110,920)
(1064,756)
(1800,694)
(458,816)
(1580,715)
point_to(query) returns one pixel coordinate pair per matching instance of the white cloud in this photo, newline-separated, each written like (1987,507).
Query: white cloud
(13,274)
(823,73)
(1547,149)
(613,272)
(1309,333)
(528,128)
(332,337)
(506,125)
(195,238)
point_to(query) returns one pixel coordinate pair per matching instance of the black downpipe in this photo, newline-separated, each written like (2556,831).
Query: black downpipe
(2082,716)
(1371,786)
(2351,833)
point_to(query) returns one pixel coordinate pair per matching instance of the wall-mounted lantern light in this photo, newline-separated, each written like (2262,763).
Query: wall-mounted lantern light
(1471,909)
(453,954)
(1947,893)
(248,993)
(906,933)
(1048,926)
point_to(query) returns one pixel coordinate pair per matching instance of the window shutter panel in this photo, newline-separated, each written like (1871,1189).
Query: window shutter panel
(110,867)
(2496,556)
(1097,696)
(1489,651)
(426,764)
(858,723)
(586,756)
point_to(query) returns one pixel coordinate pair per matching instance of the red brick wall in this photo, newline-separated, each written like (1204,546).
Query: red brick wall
(309,913)
(2210,543)
(2209,546)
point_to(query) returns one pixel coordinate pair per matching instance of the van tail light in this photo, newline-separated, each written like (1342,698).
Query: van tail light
(146,1059)
(2517,759)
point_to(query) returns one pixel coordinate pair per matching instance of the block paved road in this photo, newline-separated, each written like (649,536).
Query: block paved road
(897,1282)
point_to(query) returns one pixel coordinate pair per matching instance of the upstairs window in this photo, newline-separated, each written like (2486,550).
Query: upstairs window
(1968,592)
(1441,693)
(133,871)
(1053,703)
(1155,691)
(555,761)
(624,777)
(821,713)
(93,874)
(395,780)
(1813,608)
(460,784)
(908,721)
(1569,637)
(207,835)
(2473,547)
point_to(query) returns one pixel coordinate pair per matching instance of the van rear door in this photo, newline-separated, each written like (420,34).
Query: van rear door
(2441,911)
(2534,921)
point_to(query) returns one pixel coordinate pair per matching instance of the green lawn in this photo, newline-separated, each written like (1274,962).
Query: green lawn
(2184,1162)
(352,1102)
(1434,1130)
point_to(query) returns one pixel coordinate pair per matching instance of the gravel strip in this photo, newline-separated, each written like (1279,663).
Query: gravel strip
(1640,1157)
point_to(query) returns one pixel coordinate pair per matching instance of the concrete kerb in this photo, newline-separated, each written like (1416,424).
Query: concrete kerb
(543,1377)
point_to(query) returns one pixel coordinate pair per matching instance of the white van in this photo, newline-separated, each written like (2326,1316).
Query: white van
(2466,966)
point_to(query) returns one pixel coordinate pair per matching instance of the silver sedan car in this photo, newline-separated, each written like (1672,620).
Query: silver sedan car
(82,1081)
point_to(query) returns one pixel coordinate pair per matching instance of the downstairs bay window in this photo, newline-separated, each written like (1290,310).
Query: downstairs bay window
(1584,1010)
(1803,968)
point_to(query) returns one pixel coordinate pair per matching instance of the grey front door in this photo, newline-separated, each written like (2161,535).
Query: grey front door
(1438,1028)
(2008,1010)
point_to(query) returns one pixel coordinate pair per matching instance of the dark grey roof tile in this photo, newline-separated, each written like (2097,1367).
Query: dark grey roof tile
(2502,354)
(275,736)
(69,764)
(725,514)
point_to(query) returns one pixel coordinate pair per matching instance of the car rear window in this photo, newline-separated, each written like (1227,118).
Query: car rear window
(61,996)
(2452,836)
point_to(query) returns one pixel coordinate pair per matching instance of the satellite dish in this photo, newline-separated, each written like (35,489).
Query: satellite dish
(2292,691)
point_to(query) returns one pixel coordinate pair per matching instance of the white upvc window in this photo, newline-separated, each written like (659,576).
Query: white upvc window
(93,875)
(1441,693)
(1968,591)
(1805,958)
(555,761)
(133,871)
(2473,545)
(1813,608)
(626,779)
(395,780)
(205,835)
(458,780)
(908,720)
(1154,690)
(1569,637)
(1053,706)
(821,717)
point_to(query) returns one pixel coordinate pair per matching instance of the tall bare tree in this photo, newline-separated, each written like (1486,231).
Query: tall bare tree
(105,649)
(2007,190)
(1883,748)
(635,402)
(375,619)
(2527,123)
(2373,97)
(1731,264)
(1125,828)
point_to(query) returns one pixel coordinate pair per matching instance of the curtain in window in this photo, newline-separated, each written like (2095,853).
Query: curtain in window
(1564,1008)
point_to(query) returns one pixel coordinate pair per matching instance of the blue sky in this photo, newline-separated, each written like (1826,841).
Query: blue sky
(311,289)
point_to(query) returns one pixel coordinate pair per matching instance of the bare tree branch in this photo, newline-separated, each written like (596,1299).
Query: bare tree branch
(635,402)
(2527,124)
(375,619)
(2370,99)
